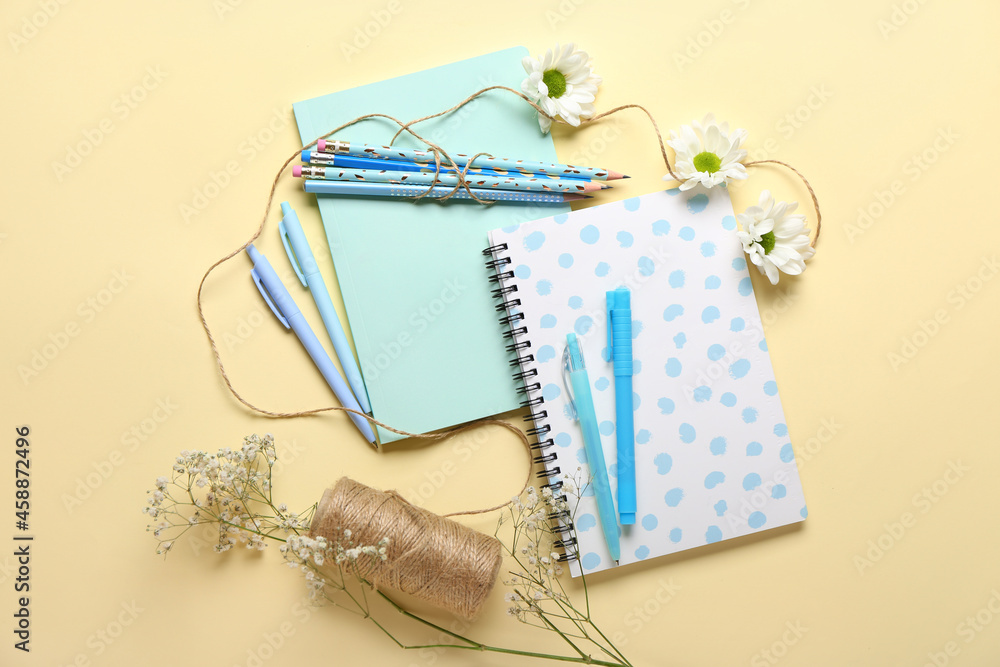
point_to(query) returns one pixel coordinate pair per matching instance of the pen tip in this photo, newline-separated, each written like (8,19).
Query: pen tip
(616,563)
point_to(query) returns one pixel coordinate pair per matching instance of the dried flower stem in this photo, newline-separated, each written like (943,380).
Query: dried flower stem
(236,497)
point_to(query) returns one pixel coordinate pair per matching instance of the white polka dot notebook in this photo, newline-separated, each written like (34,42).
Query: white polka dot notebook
(712,455)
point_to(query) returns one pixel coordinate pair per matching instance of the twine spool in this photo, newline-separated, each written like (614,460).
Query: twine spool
(430,557)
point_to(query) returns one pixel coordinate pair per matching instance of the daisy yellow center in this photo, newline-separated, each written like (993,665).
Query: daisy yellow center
(707,162)
(767,242)
(555,81)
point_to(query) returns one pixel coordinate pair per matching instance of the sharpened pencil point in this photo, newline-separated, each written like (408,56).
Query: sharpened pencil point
(614,175)
(605,186)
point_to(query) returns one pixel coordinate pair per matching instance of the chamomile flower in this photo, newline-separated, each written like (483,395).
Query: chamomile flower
(706,153)
(774,238)
(562,83)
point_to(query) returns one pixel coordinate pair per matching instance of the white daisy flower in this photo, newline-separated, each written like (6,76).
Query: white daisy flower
(707,154)
(562,83)
(774,238)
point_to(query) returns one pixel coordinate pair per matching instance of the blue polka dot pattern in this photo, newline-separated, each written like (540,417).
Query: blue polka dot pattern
(590,234)
(687,433)
(710,435)
(590,561)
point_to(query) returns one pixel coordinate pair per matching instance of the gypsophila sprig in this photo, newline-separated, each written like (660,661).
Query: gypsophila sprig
(535,526)
(231,491)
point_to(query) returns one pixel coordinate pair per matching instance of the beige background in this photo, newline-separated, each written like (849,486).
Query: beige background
(889,107)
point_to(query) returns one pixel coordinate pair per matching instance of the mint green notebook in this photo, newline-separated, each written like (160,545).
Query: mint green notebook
(412,276)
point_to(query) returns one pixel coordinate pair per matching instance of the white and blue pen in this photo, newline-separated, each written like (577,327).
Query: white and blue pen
(305,267)
(284,308)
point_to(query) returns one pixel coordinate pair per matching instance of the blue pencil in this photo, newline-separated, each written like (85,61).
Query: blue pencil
(408,191)
(354,162)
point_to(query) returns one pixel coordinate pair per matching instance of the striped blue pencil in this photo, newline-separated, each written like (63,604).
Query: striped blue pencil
(409,191)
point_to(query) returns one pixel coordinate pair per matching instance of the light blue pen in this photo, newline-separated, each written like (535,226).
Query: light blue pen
(582,407)
(284,308)
(305,267)
(620,348)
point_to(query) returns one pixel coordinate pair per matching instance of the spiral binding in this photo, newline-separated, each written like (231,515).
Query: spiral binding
(519,346)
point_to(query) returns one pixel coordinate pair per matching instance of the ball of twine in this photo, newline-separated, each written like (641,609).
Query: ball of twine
(430,557)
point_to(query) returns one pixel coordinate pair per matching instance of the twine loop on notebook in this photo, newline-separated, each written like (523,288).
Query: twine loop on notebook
(433,558)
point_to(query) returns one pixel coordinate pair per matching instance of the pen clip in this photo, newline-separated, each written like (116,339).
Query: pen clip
(267,298)
(568,385)
(291,254)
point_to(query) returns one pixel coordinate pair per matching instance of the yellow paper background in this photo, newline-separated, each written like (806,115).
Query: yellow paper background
(851,93)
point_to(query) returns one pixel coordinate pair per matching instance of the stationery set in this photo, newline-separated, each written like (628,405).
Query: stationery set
(630,328)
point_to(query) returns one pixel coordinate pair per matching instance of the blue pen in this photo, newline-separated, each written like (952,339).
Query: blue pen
(582,408)
(284,308)
(620,348)
(305,267)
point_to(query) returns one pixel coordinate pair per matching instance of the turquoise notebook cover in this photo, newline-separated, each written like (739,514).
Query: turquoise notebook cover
(412,276)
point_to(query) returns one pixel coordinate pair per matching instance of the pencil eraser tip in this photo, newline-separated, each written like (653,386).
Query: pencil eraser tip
(321,144)
(297,171)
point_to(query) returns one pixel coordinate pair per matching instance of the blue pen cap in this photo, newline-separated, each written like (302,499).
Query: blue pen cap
(620,330)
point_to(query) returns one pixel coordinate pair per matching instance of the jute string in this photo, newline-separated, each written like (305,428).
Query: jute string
(439,155)
(429,557)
